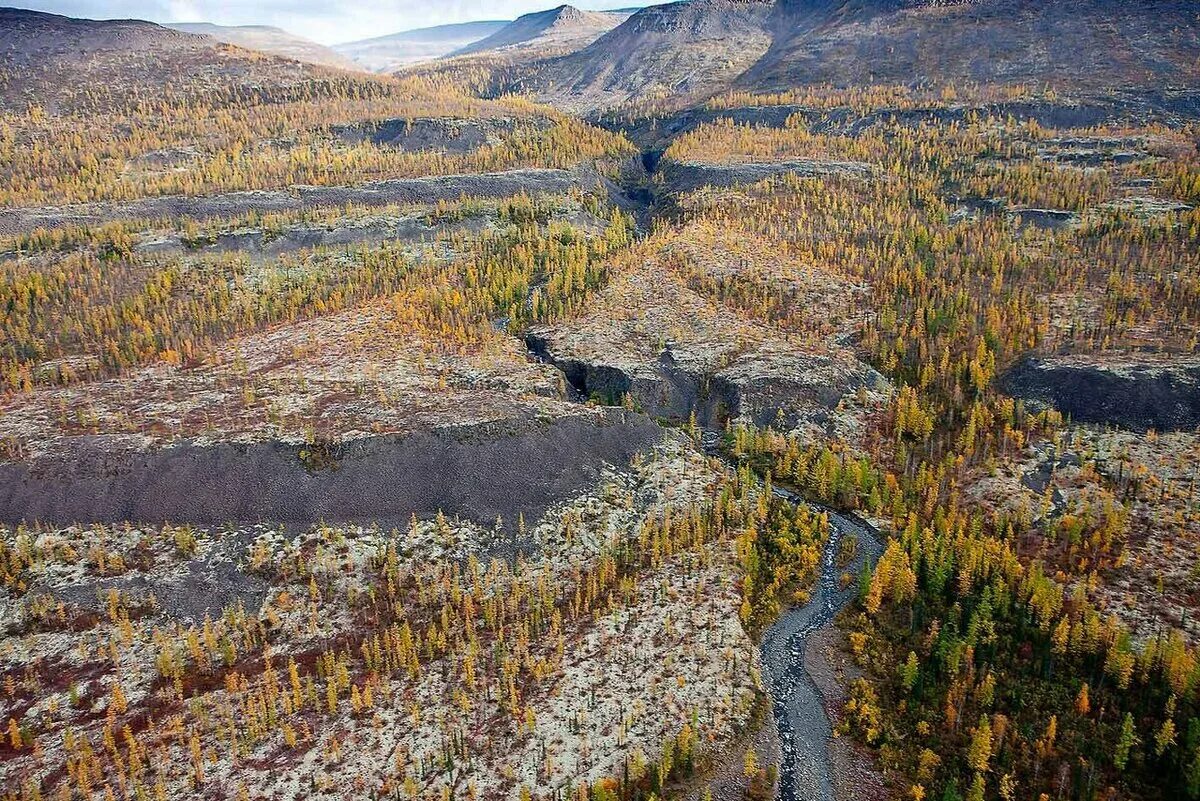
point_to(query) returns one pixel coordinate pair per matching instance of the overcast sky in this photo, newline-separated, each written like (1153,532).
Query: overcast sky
(326,21)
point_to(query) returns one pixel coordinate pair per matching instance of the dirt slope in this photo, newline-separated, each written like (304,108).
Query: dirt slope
(478,473)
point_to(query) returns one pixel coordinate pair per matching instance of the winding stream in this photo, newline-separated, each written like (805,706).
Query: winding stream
(804,727)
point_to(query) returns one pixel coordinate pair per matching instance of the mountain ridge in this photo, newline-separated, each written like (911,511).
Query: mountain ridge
(1076,45)
(564,26)
(687,49)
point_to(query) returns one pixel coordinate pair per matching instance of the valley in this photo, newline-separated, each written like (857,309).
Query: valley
(724,399)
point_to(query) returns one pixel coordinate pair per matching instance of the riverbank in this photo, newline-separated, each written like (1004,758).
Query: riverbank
(852,770)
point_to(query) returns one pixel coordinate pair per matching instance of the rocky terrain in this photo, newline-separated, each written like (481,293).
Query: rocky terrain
(1078,47)
(454,470)
(651,339)
(400,191)
(666,683)
(673,53)
(800,686)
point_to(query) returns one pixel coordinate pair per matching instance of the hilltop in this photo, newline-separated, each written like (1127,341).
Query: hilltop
(55,61)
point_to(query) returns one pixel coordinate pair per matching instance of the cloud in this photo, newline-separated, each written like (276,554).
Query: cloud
(324,21)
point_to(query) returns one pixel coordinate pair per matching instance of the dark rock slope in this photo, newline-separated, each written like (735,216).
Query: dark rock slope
(785,387)
(681,50)
(233,204)
(477,473)
(1138,395)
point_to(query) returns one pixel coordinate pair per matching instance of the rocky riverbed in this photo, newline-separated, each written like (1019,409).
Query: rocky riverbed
(805,731)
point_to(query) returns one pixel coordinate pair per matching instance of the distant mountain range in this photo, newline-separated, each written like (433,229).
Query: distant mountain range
(268,39)
(396,50)
(685,52)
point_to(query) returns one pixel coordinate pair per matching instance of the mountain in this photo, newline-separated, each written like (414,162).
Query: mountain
(63,63)
(1079,45)
(683,49)
(686,50)
(388,53)
(564,28)
(269,39)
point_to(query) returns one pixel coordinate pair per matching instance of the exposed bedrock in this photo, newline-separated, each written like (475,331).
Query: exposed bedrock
(1137,395)
(477,473)
(267,244)
(765,388)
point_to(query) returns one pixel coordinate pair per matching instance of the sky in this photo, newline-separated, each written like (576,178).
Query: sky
(325,21)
